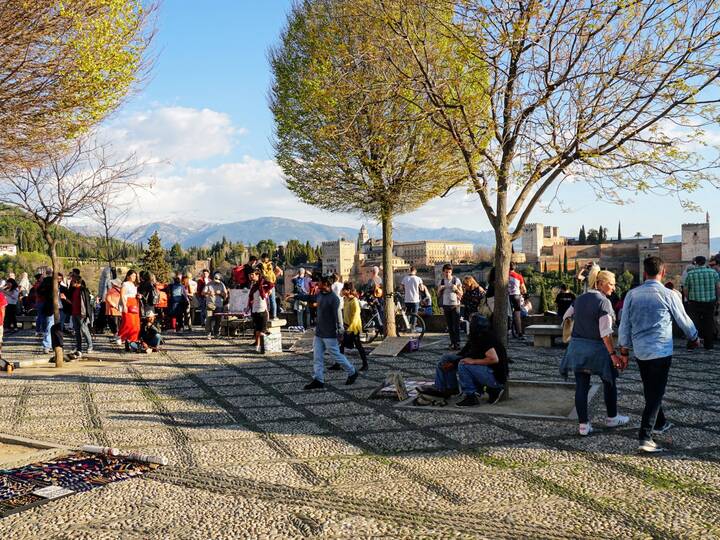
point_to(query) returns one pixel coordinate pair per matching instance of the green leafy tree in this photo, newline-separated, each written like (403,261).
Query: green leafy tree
(154,259)
(593,237)
(65,67)
(348,136)
(624,282)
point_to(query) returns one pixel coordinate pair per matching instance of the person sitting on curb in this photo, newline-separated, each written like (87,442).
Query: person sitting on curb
(482,363)
(150,337)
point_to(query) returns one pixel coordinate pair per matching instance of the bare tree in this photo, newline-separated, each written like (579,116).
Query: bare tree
(65,186)
(615,94)
(110,213)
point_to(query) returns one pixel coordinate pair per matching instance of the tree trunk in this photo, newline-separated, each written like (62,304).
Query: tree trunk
(503,253)
(52,245)
(388,276)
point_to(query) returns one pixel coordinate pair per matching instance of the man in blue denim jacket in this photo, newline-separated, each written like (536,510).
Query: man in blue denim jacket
(646,325)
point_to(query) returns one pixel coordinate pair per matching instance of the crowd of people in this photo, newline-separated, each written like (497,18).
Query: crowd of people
(138,309)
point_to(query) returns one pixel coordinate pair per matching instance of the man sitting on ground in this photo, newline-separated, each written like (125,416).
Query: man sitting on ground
(482,362)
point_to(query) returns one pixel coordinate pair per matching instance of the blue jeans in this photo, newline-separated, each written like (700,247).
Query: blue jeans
(202,301)
(446,374)
(81,330)
(320,345)
(48,321)
(154,342)
(272,303)
(474,378)
(582,388)
(411,308)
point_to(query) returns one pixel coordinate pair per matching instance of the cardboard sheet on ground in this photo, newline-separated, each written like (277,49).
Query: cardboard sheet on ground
(390,346)
(238,302)
(530,399)
(389,390)
(304,344)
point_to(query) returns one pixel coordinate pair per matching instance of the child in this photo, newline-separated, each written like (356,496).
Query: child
(150,337)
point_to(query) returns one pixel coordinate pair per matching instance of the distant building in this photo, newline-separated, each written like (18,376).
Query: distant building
(430,252)
(8,249)
(535,237)
(338,256)
(549,251)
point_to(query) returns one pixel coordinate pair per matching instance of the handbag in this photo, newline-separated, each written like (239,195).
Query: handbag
(484,309)
(567,328)
(348,340)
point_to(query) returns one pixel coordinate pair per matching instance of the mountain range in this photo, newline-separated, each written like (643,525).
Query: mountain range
(281,230)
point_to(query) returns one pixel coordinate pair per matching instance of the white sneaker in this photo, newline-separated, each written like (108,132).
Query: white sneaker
(76,354)
(118,342)
(618,420)
(651,447)
(663,429)
(209,336)
(148,351)
(585,429)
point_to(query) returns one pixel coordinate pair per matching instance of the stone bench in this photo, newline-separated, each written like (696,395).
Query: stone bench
(543,334)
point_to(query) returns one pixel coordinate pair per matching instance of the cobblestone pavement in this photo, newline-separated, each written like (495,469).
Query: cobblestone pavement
(254,456)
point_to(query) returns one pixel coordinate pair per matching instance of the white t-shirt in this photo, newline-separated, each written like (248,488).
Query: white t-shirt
(337,288)
(259,304)
(412,288)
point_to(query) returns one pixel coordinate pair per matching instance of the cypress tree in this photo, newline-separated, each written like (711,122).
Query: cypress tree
(565,261)
(619,232)
(153,259)
(559,264)
(582,237)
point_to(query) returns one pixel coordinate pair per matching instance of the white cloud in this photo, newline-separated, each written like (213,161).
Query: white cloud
(177,135)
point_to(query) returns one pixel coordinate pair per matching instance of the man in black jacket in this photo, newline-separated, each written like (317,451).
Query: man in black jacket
(328,331)
(82,313)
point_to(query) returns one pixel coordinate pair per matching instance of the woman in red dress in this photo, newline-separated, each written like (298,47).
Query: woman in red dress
(130,309)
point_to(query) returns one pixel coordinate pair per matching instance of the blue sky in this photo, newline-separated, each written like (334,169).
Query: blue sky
(204,115)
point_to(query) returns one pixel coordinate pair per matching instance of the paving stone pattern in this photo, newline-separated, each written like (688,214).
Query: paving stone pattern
(254,456)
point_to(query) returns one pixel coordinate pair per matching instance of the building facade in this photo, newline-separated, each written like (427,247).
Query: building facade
(430,252)
(338,256)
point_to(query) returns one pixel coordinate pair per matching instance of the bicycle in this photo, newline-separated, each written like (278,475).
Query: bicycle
(372,321)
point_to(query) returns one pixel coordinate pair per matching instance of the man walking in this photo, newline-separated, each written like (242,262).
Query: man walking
(516,290)
(328,331)
(702,291)
(450,292)
(646,326)
(412,285)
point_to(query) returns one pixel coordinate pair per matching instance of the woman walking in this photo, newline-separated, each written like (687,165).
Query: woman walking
(12,295)
(592,351)
(353,324)
(130,309)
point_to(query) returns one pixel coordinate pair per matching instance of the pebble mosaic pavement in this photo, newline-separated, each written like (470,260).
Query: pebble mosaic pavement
(254,456)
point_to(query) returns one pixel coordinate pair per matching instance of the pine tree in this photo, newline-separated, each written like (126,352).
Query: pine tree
(153,259)
(582,237)
(619,232)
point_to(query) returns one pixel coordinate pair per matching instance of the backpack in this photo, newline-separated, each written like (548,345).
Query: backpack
(238,275)
(154,296)
(268,272)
